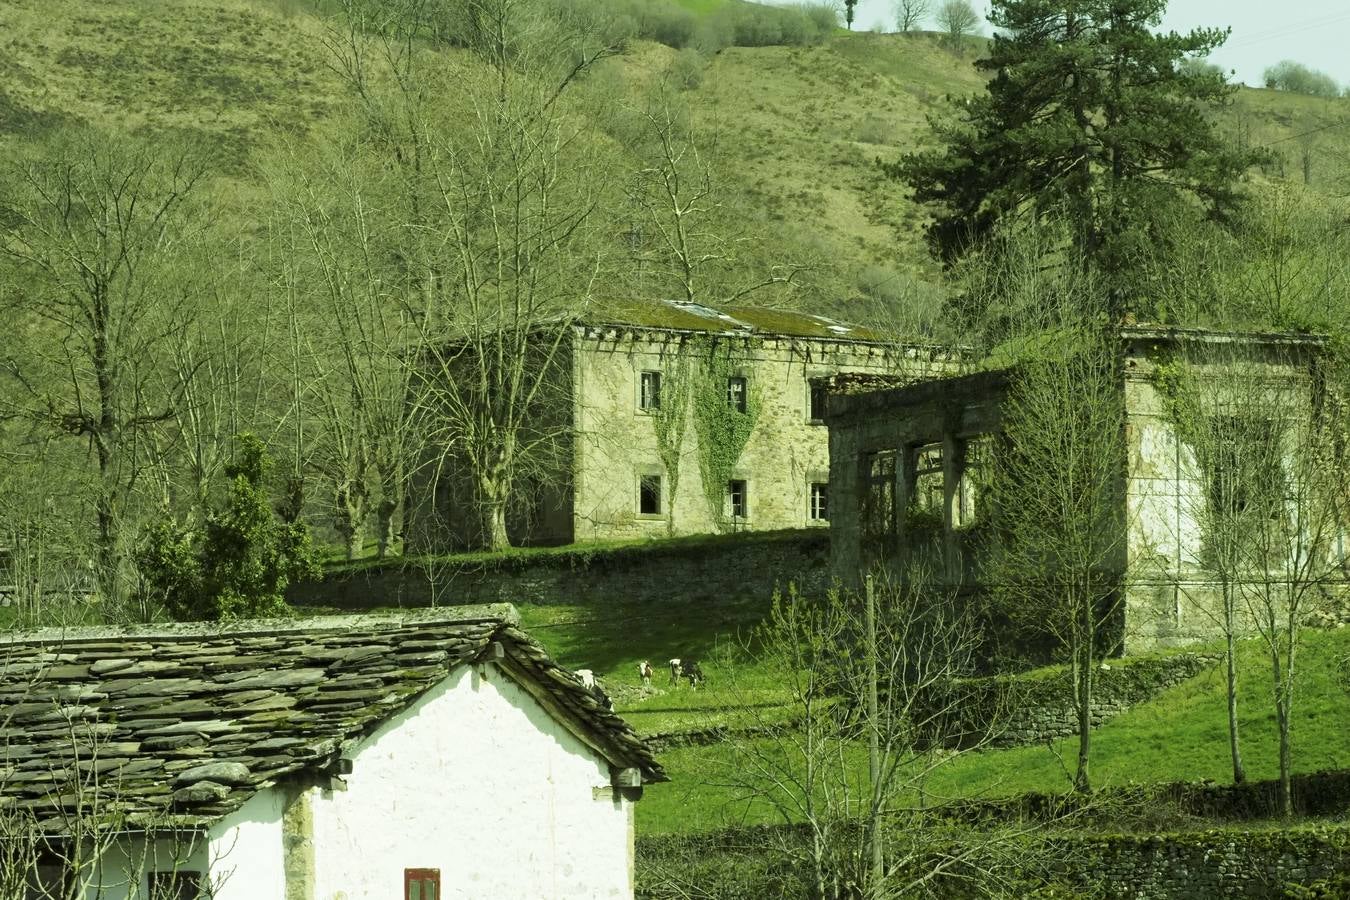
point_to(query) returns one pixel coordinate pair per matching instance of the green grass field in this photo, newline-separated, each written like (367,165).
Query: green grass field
(1179,736)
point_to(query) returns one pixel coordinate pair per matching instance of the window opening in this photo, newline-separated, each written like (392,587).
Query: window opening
(966,499)
(928,479)
(649,495)
(878,501)
(820,501)
(421,884)
(737,505)
(736,393)
(649,397)
(816,402)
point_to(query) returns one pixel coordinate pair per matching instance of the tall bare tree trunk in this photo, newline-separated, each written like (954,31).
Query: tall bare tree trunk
(1234,746)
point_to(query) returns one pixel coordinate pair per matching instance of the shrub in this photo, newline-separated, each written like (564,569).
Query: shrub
(664,22)
(686,69)
(823,17)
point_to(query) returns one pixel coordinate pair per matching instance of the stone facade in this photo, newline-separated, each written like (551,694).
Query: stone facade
(902,460)
(615,479)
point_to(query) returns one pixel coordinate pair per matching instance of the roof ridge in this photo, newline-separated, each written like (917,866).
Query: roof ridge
(503,613)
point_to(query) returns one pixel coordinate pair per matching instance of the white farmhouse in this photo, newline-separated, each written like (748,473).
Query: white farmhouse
(429,755)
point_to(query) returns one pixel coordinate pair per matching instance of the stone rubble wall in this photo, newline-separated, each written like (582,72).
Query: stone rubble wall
(730,568)
(1012,710)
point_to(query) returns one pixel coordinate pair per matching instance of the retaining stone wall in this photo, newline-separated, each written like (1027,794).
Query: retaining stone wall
(734,567)
(1029,710)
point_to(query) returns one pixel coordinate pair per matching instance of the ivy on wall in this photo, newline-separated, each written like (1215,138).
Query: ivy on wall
(671,419)
(723,431)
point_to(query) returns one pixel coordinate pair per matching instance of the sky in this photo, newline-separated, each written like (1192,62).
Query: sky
(1313,32)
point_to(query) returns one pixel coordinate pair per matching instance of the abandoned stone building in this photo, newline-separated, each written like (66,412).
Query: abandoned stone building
(908,465)
(683,420)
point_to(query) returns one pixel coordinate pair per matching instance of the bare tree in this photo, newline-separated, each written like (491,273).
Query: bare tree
(958,20)
(911,14)
(881,673)
(1057,552)
(87,231)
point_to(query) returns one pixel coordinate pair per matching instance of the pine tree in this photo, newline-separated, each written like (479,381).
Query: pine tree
(240,564)
(1091,117)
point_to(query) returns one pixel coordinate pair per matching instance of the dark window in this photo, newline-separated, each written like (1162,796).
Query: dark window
(650,395)
(878,501)
(820,501)
(818,395)
(421,884)
(175,885)
(649,495)
(736,393)
(737,505)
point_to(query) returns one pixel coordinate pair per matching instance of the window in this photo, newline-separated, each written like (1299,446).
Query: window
(649,495)
(649,395)
(736,393)
(181,885)
(421,884)
(816,396)
(928,482)
(737,505)
(820,502)
(878,501)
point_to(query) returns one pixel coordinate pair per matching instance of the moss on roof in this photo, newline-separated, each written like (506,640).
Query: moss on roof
(681,316)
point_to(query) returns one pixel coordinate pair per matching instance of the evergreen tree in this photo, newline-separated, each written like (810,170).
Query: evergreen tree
(1089,116)
(239,565)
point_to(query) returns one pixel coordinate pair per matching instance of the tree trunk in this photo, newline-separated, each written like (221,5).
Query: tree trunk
(1082,781)
(385,514)
(1239,774)
(494,524)
(1286,789)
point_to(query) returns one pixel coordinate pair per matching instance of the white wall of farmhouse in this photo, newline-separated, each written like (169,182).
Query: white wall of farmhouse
(479,781)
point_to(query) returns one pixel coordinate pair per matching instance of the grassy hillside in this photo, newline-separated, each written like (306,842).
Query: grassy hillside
(795,131)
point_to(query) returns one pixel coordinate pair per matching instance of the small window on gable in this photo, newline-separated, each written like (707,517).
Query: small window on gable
(738,506)
(820,502)
(816,397)
(736,388)
(649,394)
(179,885)
(649,495)
(421,884)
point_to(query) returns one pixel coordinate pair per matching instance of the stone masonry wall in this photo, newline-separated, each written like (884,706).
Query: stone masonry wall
(732,567)
(1016,710)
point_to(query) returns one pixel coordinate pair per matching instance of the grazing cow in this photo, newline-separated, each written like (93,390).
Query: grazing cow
(587,677)
(645,673)
(686,668)
(690,669)
(601,697)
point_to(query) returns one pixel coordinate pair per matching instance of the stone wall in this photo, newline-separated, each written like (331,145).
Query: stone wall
(786,452)
(1010,710)
(728,567)
(1189,865)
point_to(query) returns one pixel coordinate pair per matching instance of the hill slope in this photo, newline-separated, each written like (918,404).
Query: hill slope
(797,130)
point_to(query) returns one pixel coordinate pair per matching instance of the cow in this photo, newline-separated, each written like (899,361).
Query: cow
(645,672)
(686,668)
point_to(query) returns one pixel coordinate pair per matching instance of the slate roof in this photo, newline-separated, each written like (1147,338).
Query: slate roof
(180,724)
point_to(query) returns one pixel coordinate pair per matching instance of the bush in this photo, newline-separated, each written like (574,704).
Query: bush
(823,17)
(686,69)
(665,22)
(1297,78)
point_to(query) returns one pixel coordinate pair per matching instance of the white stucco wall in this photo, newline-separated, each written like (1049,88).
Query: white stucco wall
(479,781)
(246,852)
